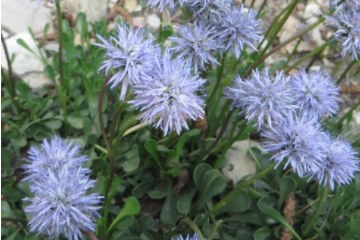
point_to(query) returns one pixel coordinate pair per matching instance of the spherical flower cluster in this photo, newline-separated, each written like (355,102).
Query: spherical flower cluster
(61,205)
(130,54)
(299,141)
(287,111)
(196,44)
(346,20)
(262,98)
(205,9)
(238,29)
(345,4)
(168,98)
(315,93)
(340,162)
(188,237)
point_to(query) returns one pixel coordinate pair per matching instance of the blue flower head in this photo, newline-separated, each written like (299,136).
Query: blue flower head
(168,97)
(130,54)
(53,155)
(345,4)
(196,44)
(298,142)
(61,204)
(238,29)
(188,237)
(205,9)
(315,93)
(346,20)
(340,163)
(263,98)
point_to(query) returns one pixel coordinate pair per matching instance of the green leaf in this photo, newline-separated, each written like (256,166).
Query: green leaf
(141,189)
(168,212)
(82,25)
(183,204)
(6,210)
(240,202)
(13,235)
(159,192)
(24,45)
(212,183)
(6,161)
(132,160)
(132,207)
(180,144)
(53,124)
(265,208)
(151,146)
(76,122)
(199,172)
(287,185)
(262,233)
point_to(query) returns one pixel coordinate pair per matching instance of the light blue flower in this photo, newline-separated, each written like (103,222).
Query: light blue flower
(346,20)
(238,29)
(130,54)
(61,204)
(340,163)
(196,44)
(262,98)
(298,142)
(168,97)
(315,93)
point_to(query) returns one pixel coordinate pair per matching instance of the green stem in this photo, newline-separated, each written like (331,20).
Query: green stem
(315,57)
(261,8)
(252,3)
(314,52)
(11,82)
(293,51)
(218,78)
(343,75)
(194,227)
(272,25)
(222,131)
(348,114)
(287,41)
(91,235)
(64,86)
(109,149)
(315,216)
(278,27)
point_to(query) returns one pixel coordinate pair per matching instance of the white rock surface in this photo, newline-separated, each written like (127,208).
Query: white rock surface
(312,9)
(130,5)
(19,15)
(26,65)
(153,22)
(290,28)
(95,10)
(139,22)
(36,80)
(238,164)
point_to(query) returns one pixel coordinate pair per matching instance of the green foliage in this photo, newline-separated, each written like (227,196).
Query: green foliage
(163,186)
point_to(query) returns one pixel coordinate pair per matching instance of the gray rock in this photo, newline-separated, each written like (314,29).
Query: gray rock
(130,5)
(239,165)
(153,22)
(95,10)
(26,65)
(17,16)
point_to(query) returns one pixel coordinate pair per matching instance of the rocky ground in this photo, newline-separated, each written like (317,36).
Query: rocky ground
(19,15)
